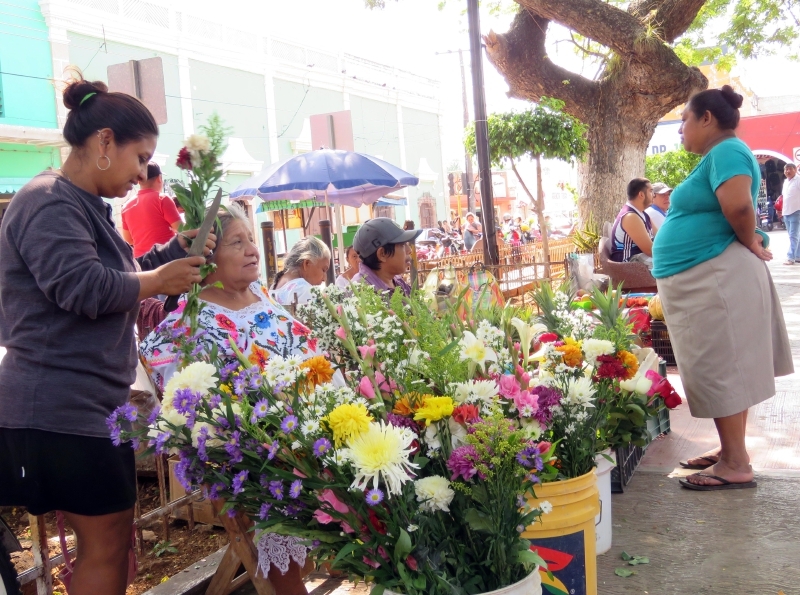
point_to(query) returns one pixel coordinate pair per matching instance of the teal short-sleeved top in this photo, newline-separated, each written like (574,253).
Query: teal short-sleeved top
(695,229)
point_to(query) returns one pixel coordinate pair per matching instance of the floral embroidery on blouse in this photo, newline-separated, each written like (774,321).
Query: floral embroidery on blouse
(259,331)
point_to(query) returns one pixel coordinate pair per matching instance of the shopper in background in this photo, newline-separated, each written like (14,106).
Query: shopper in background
(305,266)
(69,294)
(351,256)
(791,212)
(658,210)
(632,232)
(472,231)
(722,310)
(385,254)
(150,217)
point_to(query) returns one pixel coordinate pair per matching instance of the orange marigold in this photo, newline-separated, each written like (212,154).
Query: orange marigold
(318,370)
(571,353)
(629,362)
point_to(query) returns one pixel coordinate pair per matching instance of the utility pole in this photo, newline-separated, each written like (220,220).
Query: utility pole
(467,189)
(490,253)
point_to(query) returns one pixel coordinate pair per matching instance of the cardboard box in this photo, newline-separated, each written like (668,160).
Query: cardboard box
(203,510)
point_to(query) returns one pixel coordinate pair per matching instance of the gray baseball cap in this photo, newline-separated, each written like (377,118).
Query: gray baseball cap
(380,232)
(661,188)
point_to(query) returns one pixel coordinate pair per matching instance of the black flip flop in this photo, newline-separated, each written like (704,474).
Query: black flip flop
(724,485)
(687,465)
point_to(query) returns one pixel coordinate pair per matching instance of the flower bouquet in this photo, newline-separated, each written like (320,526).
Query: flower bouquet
(409,469)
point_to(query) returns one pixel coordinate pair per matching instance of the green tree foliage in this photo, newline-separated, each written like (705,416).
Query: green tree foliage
(544,131)
(671,167)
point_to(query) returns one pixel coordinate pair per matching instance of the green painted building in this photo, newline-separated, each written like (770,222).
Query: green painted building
(29,133)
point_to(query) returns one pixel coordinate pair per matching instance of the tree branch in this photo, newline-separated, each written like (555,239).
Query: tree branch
(673,17)
(521,57)
(595,19)
(586,50)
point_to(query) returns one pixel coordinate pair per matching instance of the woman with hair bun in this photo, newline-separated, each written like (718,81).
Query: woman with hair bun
(724,316)
(69,295)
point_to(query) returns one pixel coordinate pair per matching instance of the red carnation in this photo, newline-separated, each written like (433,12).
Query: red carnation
(184,159)
(466,413)
(547,338)
(610,367)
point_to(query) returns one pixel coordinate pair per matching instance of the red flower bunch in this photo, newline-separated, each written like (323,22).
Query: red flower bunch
(547,338)
(184,159)
(662,387)
(610,367)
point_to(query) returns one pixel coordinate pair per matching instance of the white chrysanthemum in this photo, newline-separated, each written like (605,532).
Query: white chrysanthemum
(580,391)
(593,348)
(545,507)
(198,142)
(483,390)
(213,438)
(461,391)
(173,417)
(532,428)
(222,410)
(199,377)
(434,493)
(382,453)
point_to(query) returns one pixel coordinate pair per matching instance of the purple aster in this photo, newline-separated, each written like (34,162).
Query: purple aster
(263,514)
(222,421)
(374,497)
(129,412)
(528,456)
(261,408)
(276,489)
(239,384)
(289,423)
(462,462)
(273,450)
(294,509)
(322,446)
(185,401)
(227,370)
(296,488)
(213,491)
(116,435)
(214,401)
(202,436)
(238,482)
(161,441)
(151,419)
(231,513)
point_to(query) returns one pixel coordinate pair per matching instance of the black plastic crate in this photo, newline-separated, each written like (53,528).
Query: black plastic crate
(661,343)
(627,460)
(658,425)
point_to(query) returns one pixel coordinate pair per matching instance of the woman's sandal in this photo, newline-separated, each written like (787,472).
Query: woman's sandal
(711,461)
(723,485)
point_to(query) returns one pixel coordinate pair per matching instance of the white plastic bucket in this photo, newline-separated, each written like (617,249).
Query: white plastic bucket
(603,526)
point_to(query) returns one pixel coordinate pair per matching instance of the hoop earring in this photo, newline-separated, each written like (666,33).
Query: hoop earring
(107,159)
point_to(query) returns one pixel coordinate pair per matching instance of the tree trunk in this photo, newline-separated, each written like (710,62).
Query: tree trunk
(616,155)
(538,206)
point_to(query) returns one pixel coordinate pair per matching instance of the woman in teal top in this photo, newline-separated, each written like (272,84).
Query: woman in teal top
(724,317)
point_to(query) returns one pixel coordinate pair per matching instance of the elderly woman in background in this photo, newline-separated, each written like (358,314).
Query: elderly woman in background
(240,311)
(305,266)
(723,313)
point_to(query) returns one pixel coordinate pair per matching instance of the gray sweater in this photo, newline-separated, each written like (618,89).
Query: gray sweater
(68,306)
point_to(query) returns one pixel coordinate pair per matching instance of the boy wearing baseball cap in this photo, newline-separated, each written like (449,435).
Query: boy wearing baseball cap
(385,254)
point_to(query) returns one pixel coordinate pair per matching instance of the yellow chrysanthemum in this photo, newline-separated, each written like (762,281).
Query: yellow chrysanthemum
(434,409)
(629,362)
(318,371)
(571,353)
(348,421)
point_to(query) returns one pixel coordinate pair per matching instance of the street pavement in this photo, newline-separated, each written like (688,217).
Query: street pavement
(740,542)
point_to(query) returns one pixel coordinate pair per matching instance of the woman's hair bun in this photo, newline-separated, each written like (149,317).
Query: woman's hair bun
(77,90)
(732,96)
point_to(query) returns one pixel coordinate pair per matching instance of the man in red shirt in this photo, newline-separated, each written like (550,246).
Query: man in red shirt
(149,218)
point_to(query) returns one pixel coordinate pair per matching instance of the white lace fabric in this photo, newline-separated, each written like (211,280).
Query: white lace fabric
(279,550)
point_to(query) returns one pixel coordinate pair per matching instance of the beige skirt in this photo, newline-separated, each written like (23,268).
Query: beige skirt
(727,331)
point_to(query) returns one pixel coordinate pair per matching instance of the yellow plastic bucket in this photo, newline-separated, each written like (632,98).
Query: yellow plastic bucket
(565,537)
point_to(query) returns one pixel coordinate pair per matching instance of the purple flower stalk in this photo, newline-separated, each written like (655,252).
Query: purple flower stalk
(322,446)
(276,489)
(296,488)
(374,497)
(289,424)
